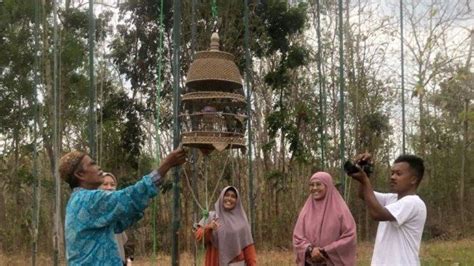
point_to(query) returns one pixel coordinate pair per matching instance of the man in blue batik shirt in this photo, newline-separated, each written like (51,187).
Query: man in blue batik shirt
(93,216)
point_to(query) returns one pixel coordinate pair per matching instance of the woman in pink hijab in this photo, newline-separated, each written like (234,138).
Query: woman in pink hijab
(325,233)
(226,232)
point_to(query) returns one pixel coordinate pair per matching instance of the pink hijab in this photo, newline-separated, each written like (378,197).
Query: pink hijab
(327,224)
(234,233)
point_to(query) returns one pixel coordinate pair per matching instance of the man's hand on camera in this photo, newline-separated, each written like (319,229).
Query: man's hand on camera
(366,157)
(360,176)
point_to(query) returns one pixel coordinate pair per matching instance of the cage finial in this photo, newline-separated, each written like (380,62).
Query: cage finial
(215,41)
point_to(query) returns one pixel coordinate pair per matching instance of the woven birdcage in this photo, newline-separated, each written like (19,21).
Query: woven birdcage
(214,105)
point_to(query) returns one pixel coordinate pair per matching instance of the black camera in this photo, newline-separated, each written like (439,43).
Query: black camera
(351,168)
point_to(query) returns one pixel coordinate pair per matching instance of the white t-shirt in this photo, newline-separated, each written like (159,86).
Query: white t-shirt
(398,242)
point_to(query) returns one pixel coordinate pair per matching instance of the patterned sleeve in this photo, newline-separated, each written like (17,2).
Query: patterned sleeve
(122,208)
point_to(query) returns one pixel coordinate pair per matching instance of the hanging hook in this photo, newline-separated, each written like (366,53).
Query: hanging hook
(215,27)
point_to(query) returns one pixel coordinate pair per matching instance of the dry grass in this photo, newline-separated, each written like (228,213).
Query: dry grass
(432,253)
(448,252)
(23,260)
(266,257)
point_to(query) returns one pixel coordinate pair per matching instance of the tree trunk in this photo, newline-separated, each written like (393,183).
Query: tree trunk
(3,217)
(422,125)
(465,145)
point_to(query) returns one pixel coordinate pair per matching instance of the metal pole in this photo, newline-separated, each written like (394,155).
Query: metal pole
(92,93)
(176,132)
(196,211)
(248,65)
(55,136)
(403,79)
(341,98)
(157,122)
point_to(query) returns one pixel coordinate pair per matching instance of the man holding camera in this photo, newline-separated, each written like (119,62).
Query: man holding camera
(401,214)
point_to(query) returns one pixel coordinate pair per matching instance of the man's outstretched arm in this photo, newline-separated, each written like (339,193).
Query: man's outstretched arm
(366,193)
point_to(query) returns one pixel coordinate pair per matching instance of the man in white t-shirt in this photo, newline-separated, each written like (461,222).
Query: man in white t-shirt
(401,214)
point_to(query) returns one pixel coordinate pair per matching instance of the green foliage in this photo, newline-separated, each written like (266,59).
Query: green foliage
(297,56)
(280,22)
(282,25)
(15,74)
(269,145)
(135,48)
(77,23)
(274,122)
(459,86)
(291,123)
(375,127)
(278,78)
(123,133)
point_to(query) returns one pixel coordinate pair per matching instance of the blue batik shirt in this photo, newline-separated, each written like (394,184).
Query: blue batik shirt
(93,217)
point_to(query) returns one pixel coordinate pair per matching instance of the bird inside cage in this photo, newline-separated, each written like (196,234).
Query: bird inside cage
(208,118)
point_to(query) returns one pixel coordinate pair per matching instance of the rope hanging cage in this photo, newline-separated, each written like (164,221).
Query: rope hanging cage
(214,104)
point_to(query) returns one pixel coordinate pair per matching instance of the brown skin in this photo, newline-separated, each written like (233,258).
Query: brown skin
(175,158)
(317,189)
(316,255)
(402,181)
(108,184)
(230,199)
(90,175)
(213,225)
